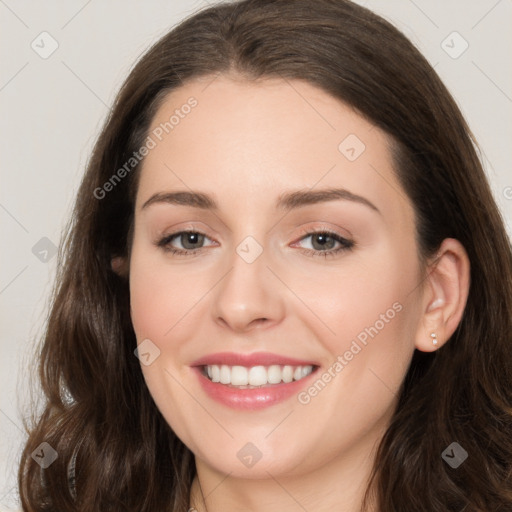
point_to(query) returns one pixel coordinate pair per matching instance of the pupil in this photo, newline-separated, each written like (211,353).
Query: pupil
(191,238)
(323,240)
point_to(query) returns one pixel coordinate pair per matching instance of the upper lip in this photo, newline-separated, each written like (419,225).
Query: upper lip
(249,360)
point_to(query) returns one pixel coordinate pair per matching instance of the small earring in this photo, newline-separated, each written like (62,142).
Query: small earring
(434,338)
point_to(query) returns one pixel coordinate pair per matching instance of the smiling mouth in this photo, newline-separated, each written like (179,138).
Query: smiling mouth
(243,377)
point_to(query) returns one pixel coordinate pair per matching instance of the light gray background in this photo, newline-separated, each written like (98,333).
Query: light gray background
(52,110)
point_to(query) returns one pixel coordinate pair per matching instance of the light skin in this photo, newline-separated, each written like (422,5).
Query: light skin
(245,144)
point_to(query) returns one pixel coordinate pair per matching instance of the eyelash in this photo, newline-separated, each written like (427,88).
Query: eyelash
(346,245)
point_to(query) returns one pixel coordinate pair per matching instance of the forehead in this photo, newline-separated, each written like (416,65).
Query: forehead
(249,140)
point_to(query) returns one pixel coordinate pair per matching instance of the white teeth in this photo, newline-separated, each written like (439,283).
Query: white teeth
(239,376)
(287,374)
(215,373)
(256,375)
(225,374)
(274,374)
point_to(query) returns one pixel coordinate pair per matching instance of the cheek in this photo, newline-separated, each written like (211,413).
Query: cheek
(159,299)
(370,313)
(365,293)
(159,294)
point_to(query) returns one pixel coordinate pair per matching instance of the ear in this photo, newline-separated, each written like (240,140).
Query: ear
(119,265)
(444,295)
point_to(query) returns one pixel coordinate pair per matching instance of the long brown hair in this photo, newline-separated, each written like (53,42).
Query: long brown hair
(98,410)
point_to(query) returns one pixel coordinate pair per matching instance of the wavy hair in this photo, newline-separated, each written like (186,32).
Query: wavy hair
(98,414)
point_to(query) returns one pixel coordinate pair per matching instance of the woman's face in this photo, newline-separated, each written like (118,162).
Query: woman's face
(302,269)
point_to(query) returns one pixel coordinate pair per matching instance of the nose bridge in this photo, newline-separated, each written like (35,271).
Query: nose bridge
(249,291)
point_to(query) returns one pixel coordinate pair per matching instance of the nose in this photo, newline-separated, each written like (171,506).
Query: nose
(249,295)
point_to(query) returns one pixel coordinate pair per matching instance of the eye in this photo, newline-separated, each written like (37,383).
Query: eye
(324,241)
(188,239)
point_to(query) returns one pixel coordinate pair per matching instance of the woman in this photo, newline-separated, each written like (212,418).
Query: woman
(244,373)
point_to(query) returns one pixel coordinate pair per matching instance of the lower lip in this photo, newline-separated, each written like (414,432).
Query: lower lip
(256,398)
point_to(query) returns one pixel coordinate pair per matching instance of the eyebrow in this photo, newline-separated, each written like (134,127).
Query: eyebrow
(286,201)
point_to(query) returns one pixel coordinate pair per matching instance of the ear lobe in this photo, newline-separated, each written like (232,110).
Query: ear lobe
(445,296)
(119,265)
